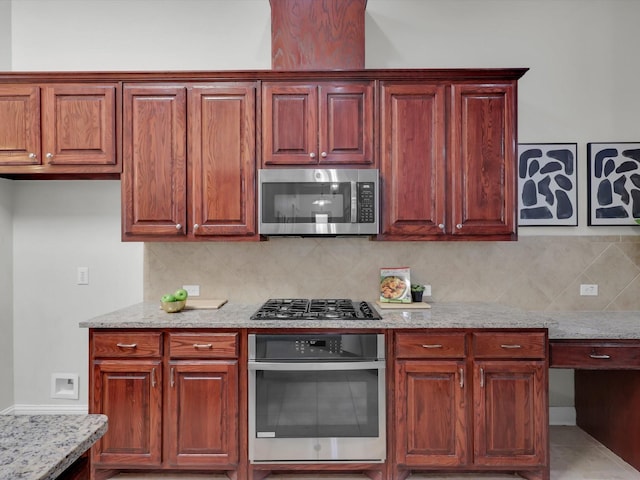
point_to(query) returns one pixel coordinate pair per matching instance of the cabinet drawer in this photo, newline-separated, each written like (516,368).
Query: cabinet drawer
(203,345)
(595,355)
(509,345)
(125,344)
(430,345)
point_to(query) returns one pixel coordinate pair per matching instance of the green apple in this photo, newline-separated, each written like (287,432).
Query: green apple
(181,294)
(168,298)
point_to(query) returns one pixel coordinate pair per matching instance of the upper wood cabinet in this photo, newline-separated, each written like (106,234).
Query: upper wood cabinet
(483,160)
(413,160)
(59,129)
(189,161)
(326,123)
(448,164)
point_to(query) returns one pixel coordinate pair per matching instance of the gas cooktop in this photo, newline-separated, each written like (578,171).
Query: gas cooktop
(315,309)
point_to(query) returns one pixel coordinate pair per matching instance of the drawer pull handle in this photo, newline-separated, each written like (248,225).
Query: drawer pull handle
(514,345)
(432,345)
(127,345)
(208,346)
(600,357)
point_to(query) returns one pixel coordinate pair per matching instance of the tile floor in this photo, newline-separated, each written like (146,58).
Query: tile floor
(574,456)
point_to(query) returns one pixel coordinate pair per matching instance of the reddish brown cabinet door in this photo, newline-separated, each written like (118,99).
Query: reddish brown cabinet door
(431,424)
(413,165)
(346,124)
(59,129)
(154,197)
(79,125)
(511,419)
(19,126)
(317,123)
(129,392)
(222,154)
(202,413)
(483,159)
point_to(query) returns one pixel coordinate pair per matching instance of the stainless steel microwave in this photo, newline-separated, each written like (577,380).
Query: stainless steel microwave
(318,201)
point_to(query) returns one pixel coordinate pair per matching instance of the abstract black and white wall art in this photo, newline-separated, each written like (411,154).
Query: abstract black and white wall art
(547,184)
(614,183)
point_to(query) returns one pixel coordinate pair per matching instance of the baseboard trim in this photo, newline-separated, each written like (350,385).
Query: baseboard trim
(50,409)
(7,411)
(562,416)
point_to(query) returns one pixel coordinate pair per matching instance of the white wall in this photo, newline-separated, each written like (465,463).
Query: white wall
(6,241)
(6,294)
(59,226)
(580,88)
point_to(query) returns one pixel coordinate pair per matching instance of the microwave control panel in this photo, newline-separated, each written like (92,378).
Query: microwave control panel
(366,202)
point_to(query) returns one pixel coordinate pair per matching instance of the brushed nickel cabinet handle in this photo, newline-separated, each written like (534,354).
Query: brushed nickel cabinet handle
(173,371)
(179,226)
(127,345)
(459,226)
(482,377)
(153,377)
(461,372)
(599,357)
(33,155)
(208,346)
(432,345)
(49,156)
(514,345)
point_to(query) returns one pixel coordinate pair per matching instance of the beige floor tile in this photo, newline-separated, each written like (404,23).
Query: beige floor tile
(574,456)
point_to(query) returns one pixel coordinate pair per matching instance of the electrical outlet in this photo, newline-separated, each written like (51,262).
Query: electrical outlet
(427,291)
(589,290)
(192,290)
(64,385)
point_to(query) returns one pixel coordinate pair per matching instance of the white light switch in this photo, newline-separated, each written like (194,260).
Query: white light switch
(83,276)
(589,290)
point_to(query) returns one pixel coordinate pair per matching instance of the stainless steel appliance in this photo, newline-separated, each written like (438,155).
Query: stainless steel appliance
(317,398)
(294,201)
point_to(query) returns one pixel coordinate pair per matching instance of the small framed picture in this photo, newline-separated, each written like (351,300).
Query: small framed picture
(614,183)
(547,184)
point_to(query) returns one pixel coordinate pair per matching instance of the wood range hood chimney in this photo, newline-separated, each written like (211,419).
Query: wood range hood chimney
(317,34)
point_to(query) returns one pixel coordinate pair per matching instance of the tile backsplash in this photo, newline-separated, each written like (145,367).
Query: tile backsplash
(534,273)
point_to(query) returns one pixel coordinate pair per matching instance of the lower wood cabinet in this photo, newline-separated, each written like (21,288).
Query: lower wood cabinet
(129,393)
(471,401)
(171,398)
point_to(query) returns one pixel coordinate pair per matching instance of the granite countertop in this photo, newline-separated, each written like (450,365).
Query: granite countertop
(41,447)
(561,325)
(234,315)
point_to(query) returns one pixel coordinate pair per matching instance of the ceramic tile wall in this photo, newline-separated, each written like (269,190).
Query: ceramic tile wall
(534,273)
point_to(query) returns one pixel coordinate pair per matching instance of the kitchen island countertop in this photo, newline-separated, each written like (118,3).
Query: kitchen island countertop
(561,325)
(41,447)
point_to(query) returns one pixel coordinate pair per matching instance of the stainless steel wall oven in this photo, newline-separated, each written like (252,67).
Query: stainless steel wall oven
(317,398)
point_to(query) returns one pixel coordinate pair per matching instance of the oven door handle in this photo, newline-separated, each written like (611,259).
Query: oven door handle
(316,366)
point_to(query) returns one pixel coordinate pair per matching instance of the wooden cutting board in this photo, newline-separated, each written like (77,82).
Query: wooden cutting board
(204,303)
(403,306)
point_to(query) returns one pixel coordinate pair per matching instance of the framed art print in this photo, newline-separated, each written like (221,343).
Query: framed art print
(547,184)
(614,183)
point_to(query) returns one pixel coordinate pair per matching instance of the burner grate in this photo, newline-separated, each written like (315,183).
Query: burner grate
(315,309)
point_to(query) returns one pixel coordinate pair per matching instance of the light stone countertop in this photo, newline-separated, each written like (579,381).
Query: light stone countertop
(561,325)
(42,447)
(234,315)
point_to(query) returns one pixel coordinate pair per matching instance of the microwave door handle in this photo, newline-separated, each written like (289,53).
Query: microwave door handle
(354,202)
(315,366)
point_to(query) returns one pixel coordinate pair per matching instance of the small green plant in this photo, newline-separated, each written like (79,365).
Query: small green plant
(417,288)
(638,221)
